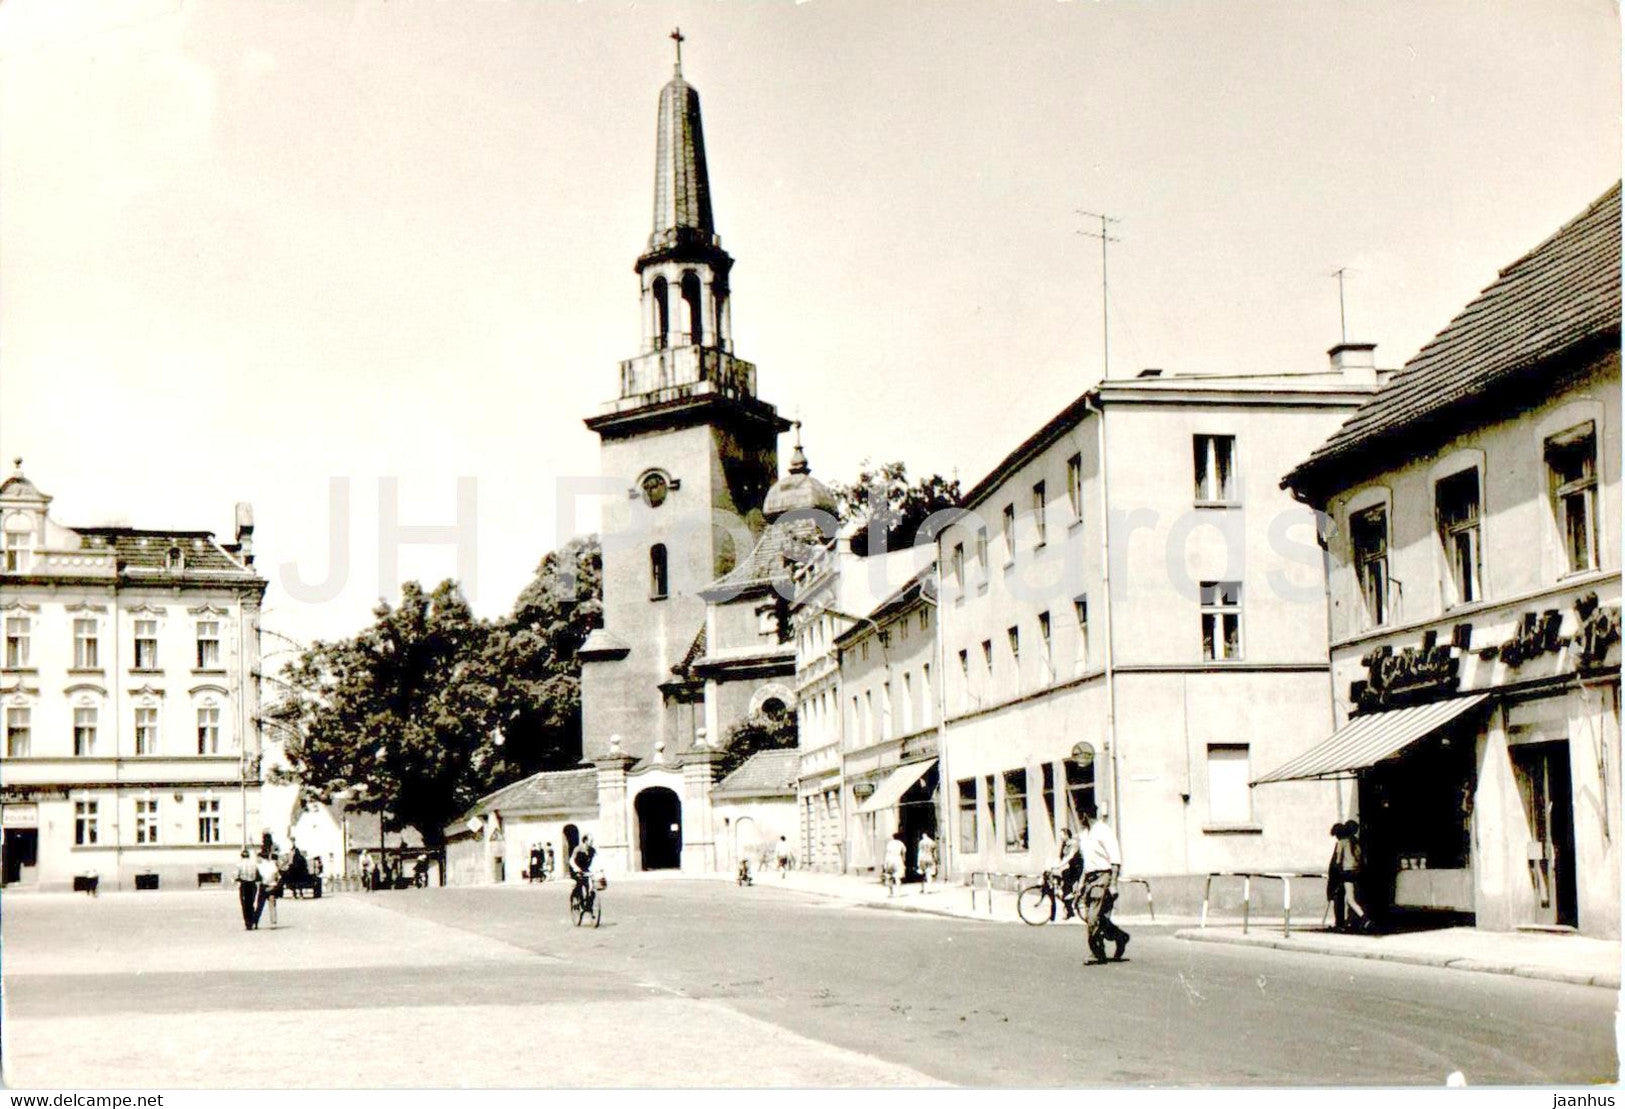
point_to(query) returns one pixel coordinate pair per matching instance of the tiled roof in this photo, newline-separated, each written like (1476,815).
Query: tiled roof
(785,543)
(695,652)
(764,774)
(1563,293)
(149,550)
(551,791)
(363,832)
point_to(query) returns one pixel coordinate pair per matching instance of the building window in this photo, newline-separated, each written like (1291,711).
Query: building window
(19,634)
(208,644)
(1368,537)
(659,581)
(19,733)
(1040,525)
(1015,810)
(146,644)
(885,710)
(146,731)
(869,712)
(1080,783)
(1048,771)
(967,816)
(1571,460)
(1013,634)
(987,657)
(925,620)
(981,553)
(208,820)
(1009,533)
(1074,486)
(146,821)
(1215,468)
(85,644)
(1229,798)
(17,545)
(965,695)
(925,696)
(908,703)
(1221,620)
(990,803)
(86,821)
(1080,612)
(1044,645)
(959,565)
(1455,500)
(208,730)
(857,721)
(84,731)
(863,651)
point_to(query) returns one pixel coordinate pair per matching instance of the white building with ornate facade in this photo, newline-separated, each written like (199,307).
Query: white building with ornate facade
(129,699)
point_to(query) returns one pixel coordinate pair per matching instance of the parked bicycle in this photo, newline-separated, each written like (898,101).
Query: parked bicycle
(1037,904)
(587,900)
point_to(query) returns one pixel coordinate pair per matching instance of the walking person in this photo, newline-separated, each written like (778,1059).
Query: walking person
(248,890)
(366,870)
(1102,862)
(781,855)
(1348,861)
(896,861)
(316,876)
(925,858)
(1334,878)
(269,887)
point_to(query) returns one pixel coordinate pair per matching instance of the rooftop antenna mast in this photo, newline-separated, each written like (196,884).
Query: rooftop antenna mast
(1342,309)
(1105,237)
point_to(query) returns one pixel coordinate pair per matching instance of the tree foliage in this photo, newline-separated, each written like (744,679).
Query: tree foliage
(429,707)
(884,501)
(762,731)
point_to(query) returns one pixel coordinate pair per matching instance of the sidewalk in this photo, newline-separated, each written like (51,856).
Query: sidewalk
(1557,958)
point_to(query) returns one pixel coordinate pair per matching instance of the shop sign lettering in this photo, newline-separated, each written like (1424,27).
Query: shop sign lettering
(1413,674)
(1599,629)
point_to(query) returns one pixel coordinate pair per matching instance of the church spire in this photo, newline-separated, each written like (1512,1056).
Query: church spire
(682,212)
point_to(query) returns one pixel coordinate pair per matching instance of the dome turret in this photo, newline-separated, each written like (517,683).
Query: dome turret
(798,490)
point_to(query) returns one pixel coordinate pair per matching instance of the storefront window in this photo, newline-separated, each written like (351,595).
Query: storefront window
(967,816)
(1015,810)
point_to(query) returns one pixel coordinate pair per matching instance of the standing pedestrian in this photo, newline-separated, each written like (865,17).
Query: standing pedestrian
(248,890)
(782,856)
(366,870)
(1102,862)
(316,876)
(896,860)
(925,857)
(551,861)
(1334,878)
(1347,859)
(269,889)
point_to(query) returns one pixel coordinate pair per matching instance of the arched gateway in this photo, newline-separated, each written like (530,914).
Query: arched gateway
(660,828)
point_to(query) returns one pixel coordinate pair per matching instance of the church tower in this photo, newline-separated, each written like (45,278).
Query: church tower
(696,451)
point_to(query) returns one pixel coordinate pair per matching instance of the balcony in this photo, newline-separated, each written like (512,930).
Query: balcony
(682,373)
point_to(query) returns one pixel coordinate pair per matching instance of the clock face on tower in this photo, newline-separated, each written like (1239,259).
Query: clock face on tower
(655,487)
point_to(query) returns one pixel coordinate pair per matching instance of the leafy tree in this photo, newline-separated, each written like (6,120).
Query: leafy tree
(884,501)
(403,713)
(533,657)
(429,708)
(762,731)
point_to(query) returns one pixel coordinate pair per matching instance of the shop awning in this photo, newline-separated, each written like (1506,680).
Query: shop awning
(897,783)
(1367,740)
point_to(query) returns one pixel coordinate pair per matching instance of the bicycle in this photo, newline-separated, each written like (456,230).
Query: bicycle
(1036,904)
(587,900)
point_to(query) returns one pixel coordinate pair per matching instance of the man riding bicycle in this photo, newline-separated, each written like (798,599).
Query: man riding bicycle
(580,865)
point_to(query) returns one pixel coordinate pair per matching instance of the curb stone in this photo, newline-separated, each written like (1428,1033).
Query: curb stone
(1445,962)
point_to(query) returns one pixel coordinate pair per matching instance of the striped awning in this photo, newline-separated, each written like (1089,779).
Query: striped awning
(1367,740)
(891,790)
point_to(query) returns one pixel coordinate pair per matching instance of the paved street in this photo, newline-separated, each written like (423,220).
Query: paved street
(703,983)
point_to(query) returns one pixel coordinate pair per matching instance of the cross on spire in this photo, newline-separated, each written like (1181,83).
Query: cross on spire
(678,37)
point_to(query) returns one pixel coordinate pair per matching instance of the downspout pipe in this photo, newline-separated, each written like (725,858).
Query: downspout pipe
(1091,402)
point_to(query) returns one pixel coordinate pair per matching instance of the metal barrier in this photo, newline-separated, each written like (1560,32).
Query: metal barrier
(1283,876)
(1021,880)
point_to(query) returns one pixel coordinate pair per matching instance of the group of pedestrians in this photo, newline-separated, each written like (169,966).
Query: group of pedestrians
(259,884)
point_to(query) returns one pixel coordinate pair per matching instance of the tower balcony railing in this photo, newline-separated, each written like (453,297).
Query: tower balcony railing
(679,372)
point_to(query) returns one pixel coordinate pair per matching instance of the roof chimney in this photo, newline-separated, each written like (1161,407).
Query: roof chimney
(245,532)
(1356,362)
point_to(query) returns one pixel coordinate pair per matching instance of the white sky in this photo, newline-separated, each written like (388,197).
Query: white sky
(246,247)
